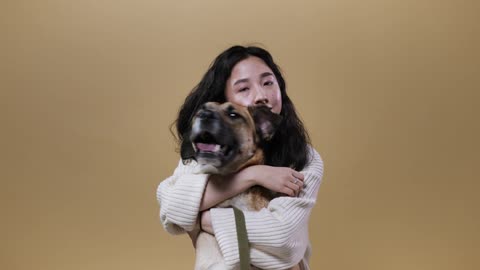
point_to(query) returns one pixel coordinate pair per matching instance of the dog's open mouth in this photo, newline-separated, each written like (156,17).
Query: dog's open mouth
(206,143)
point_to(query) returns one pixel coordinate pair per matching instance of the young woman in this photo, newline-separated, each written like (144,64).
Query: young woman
(278,234)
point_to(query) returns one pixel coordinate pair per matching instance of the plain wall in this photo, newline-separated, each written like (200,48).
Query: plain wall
(389,91)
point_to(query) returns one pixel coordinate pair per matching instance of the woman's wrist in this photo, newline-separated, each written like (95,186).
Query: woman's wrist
(249,176)
(206,222)
(220,188)
(253,175)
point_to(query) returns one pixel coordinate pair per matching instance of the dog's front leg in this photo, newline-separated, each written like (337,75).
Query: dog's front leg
(207,254)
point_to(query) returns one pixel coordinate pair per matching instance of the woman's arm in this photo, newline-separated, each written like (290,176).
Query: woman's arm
(185,193)
(278,234)
(220,188)
(179,197)
(182,195)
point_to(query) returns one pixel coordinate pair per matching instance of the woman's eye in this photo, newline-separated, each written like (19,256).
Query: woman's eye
(243,89)
(268,83)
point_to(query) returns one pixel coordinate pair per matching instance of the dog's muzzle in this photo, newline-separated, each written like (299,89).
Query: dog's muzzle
(212,139)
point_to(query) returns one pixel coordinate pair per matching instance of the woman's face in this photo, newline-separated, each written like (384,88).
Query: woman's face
(252,82)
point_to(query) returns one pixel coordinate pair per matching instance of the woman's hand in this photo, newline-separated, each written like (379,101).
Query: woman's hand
(206,222)
(279,179)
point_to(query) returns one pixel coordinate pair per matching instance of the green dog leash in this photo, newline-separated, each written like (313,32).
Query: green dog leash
(243,247)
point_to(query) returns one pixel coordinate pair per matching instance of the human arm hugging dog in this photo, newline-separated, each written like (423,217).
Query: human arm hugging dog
(184,194)
(180,197)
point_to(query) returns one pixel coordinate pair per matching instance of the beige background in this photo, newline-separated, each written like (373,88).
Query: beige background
(389,91)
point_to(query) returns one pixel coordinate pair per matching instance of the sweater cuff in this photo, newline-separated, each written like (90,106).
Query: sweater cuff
(223,223)
(185,200)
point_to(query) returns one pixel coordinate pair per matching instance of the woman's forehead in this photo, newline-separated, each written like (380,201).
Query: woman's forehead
(250,67)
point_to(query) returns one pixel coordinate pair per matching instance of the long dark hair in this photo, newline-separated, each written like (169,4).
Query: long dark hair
(289,145)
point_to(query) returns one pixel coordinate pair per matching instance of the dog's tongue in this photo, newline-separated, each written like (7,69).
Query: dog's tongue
(208,147)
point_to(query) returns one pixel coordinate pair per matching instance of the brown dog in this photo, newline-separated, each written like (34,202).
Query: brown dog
(226,138)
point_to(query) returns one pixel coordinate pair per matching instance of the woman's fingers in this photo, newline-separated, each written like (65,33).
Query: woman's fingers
(300,185)
(288,191)
(298,175)
(295,188)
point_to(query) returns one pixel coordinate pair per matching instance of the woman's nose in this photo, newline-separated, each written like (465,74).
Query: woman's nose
(260,96)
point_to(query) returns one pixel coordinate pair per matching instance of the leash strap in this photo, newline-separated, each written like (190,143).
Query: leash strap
(243,247)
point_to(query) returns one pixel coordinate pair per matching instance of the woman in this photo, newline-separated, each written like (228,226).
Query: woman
(278,234)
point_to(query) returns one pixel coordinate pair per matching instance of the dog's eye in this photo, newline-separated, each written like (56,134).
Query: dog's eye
(233,115)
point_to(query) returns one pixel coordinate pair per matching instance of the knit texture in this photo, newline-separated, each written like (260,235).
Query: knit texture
(278,234)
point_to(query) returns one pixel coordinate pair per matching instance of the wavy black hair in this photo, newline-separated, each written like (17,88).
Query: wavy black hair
(289,145)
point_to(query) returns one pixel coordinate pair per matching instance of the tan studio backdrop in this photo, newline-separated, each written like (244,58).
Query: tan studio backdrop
(388,89)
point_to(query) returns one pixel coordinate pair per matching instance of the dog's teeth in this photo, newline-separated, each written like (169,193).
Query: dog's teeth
(207,147)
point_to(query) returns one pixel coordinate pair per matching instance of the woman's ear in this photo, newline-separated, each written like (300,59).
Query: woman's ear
(266,122)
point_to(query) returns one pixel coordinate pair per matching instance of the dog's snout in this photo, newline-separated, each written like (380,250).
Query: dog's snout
(205,113)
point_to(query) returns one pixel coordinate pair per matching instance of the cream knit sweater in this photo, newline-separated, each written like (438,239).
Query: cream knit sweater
(278,234)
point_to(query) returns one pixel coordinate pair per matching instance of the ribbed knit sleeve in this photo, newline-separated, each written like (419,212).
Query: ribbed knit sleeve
(179,197)
(278,234)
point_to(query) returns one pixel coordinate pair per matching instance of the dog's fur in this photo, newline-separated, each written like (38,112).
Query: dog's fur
(226,138)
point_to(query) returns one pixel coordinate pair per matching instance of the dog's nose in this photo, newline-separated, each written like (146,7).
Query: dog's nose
(206,114)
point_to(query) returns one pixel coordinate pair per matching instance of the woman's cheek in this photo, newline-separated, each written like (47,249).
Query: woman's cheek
(241,100)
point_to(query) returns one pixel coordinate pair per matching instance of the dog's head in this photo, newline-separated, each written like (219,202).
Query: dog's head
(227,137)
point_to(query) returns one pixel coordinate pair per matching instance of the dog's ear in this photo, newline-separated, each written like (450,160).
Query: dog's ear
(186,149)
(266,122)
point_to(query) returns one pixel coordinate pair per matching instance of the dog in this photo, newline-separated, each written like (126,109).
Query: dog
(224,139)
